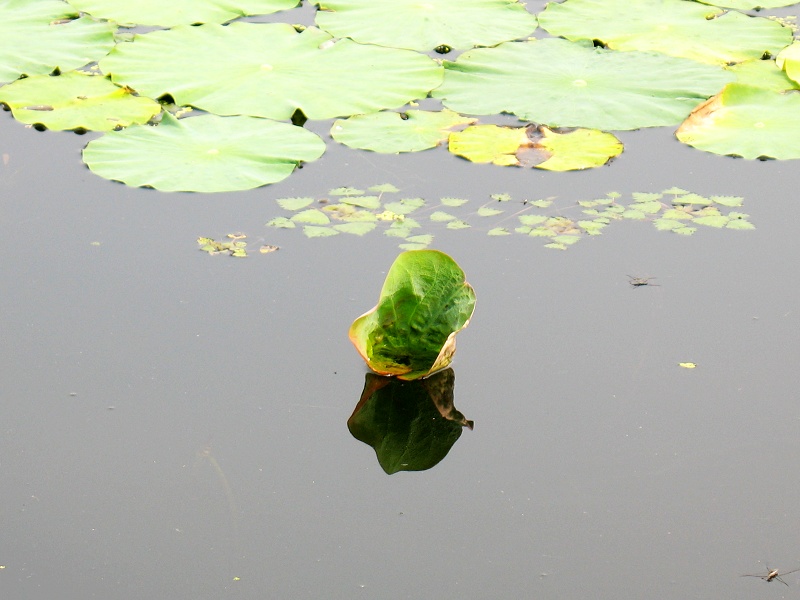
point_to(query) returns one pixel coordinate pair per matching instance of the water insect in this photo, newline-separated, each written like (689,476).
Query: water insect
(640,281)
(772,574)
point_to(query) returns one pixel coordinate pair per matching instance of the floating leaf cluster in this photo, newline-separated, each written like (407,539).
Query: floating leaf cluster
(415,221)
(236,247)
(617,66)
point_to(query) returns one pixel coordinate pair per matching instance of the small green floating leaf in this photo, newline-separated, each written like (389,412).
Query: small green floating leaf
(441,216)
(282,223)
(727,200)
(425,301)
(420,239)
(499,231)
(453,201)
(405,206)
(501,197)
(739,224)
(712,221)
(314,231)
(359,228)
(650,207)
(294,203)
(412,246)
(370,202)
(541,203)
(313,216)
(556,246)
(575,150)
(685,230)
(345,191)
(668,224)
(384,188)
(458,224)
(487,211)
(634,215)
(532,219)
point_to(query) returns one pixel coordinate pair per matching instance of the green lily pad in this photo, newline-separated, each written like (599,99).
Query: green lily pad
(749,4)
(203,154)
(424,26)
(746,121)
(565,84)
(178,12)
(392,132)
(789,61)
(270,70)
(542,148)
(424,303)
(411,425)
(674,27)
(76,101)
(37,37)
(764,74)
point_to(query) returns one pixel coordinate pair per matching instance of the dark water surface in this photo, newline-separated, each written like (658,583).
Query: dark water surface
(174,424)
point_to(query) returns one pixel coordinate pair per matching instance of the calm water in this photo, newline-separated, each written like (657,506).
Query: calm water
(174,424)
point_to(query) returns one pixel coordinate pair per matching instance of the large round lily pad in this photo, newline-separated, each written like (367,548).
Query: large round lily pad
(424,303)
(674,27)
(270,70)
(746,121)
(203,154)
(423,26)
(76,101)
(392,132)
(749,4)
(566,84)
(38,36)
(178,12)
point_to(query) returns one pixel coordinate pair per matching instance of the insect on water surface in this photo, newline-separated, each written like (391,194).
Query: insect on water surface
(640,281)
(772,574)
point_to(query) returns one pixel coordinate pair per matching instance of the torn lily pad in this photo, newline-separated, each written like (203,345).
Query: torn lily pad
(540,148)
(425,301)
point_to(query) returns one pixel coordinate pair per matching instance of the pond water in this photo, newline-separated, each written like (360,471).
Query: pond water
(175,424)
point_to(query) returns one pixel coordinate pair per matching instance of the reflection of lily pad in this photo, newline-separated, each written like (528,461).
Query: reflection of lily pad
(38,36)
(424,303)
(423,26)
(543,149)
(392,132)
(746,121)
(203,154)
(76,101)
(411,425)
(560,83)
(674,27)
(178,12)
(270,70)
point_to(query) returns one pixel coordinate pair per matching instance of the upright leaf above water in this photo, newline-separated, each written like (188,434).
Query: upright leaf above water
(424,303)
